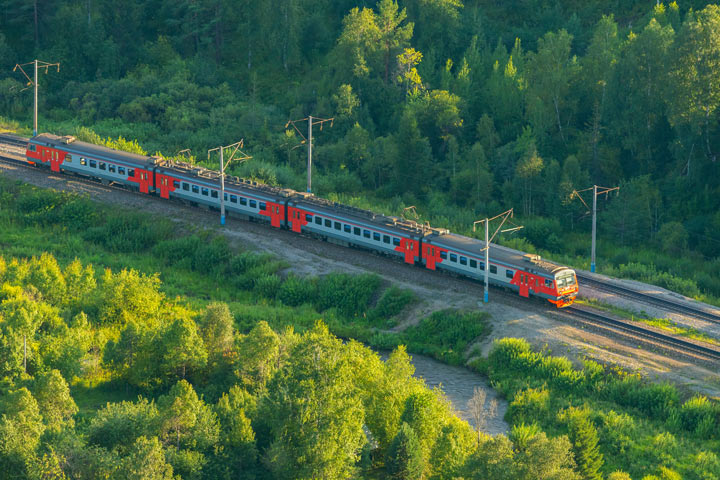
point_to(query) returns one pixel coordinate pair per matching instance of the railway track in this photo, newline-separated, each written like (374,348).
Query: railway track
(631,328)
(14,140)
(15,157)
(681,308)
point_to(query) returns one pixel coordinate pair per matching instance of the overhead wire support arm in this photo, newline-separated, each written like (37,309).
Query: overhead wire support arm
(37,64)
(242,158)
(596,191)
(488,239)
(311,121)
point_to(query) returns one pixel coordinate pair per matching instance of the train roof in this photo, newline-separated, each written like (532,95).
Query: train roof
(69,142)
(359,214)
(498,253)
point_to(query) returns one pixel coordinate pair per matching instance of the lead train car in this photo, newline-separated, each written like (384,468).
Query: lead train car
(436,249)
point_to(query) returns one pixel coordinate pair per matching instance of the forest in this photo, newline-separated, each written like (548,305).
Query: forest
(461,109)
(121,356)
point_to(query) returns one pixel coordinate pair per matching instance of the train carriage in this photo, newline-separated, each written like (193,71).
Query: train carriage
(525,273)
(82,158)
(353,226)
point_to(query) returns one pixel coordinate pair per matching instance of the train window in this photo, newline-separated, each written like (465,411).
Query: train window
(225,197)
(347,228)
(356,231)
(318,220)
(195,189)
(93,164)
(131,172)
(103,166)
(482,266)
(205,191)
(386,238)
(328,223)
(548,283)
(176,184)
(473,263)
(308,217)
(243,201)
(68,158)
(83,161)
(376,236)
(121,170)
(338,226)
(112,168)
(185,186)
(32,147)
(253,204)
(443,255)
(493,269)
(366,233)
(463,260)
(233,198)
(214,193)
(396,241)
(509,273)
(263,206)
(453,257)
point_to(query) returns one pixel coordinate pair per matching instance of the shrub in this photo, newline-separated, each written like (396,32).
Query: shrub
(393,301)
(447,334)
(529,405)
(295,291)
(130,232)
(268,286)
(698,415)
(350,294)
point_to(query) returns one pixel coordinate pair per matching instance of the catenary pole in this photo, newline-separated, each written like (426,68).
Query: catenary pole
(35,103)
(223,165)
(487,260)
(309,166)
(222,187)
(37,64)
(488,239)
(595,192)
(594,229)
(311,120)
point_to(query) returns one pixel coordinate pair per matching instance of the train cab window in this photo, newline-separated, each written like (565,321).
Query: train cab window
(185,186)
(195,189)
(548,283)
(328,223)
(103,166)
(318,221)
(453,257)
(308,218)
(386,238)
(214,193)
(93,164)
(338,226)
(347,228)
(263,206)
(131,171)
(396,241)
(509,273)
(443,255)
(356,231)
(112,168)
(243,201)
(463,260)
(68,158)
(473,263)
(493,269)
(366,233)
(233,198)
(32,147)
(83,161)
(205,191)
(176,184)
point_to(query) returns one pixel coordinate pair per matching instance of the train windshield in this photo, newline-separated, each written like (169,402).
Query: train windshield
(566,280)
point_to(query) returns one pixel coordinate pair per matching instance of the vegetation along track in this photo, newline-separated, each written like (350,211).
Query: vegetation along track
(677,307)
(12,154)
(628,327)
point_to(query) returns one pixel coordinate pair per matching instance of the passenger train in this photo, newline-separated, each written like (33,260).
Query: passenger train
(304,213)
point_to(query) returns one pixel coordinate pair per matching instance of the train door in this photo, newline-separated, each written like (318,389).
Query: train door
(524,285)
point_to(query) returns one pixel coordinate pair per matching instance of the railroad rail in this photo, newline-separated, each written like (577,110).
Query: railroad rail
(628,327)
(649,299)
(14,140)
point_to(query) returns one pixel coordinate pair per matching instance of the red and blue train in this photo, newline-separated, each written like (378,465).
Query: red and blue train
(303,213)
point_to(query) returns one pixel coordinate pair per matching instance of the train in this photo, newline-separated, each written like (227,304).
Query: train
(304,213)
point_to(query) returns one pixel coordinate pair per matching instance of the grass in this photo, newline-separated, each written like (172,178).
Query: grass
(664,324)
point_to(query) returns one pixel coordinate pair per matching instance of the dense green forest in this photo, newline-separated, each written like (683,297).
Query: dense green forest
(462,109)
(122,358)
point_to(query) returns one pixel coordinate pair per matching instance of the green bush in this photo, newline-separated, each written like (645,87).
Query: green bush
(129,232)
(350,294)
(529,405)
(393,301)
(699,415)
(295,291)
(447,334)
(268,286)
